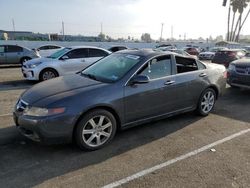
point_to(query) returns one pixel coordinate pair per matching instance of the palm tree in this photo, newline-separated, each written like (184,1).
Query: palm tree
(237,6)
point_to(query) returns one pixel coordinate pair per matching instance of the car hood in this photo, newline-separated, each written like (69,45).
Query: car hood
(38,60)
(57,86)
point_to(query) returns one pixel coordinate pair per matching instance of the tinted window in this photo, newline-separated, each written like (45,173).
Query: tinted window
(43,48)
(54,47)
(14,49)
(185,64)
(157,68)
(78,53)
(1,49)
(97,53)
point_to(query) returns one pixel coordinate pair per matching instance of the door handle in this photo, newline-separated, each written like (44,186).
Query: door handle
(169,82)
(202,74)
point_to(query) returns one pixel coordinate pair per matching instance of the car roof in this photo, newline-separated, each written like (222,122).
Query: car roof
(49,45)
(149,53)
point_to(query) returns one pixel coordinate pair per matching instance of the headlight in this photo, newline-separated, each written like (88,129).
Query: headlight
(35,111)
(34,65)
(231,67)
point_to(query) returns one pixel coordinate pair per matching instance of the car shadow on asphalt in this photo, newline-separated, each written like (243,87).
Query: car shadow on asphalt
(234,104)
(16,84)
(34,163)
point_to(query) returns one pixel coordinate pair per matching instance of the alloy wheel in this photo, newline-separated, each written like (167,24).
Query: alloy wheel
(207,102)
(97,131)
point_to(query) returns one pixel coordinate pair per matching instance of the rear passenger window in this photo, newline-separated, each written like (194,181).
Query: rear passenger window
(78,53)
(97,53)
(185,64)
(14,49)
(157,68)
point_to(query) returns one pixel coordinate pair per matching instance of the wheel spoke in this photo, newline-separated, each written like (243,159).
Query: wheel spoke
(88,131)
(90,139)
(92,123)
(98,140)
(106,126)
(105,134)
(101,120)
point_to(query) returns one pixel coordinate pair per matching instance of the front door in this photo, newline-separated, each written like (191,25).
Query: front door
(155,98)
(77,59)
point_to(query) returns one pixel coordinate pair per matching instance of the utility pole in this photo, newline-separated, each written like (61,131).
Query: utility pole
(185,35)
(162,24)
(14,28)
(63,30)
(101,27)
(13,24)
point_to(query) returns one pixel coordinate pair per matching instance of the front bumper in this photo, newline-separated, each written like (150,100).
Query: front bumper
(30,74)
(238,80)
(51,129)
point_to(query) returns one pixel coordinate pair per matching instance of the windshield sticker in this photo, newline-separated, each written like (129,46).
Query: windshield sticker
(134,57)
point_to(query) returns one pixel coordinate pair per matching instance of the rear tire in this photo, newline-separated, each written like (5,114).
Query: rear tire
(206,102)
(95,130)
(24,59)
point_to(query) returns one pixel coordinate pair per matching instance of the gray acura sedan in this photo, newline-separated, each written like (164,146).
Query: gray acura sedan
(124,89)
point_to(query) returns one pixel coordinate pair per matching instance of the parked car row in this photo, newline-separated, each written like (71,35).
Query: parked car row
(65,61)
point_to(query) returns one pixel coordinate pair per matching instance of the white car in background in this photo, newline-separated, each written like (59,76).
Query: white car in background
(47,50)
(65,61)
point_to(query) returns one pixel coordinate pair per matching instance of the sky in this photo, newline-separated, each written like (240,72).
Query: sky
(119,18)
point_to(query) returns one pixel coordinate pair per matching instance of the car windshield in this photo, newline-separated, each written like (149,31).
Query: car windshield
(59,53)
(111,68)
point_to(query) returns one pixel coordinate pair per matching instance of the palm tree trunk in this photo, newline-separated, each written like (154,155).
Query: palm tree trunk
(228,21)
(231,31)
(242,24)
(236,27)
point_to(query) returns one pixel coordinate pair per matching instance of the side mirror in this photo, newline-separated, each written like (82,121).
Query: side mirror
(139,79)
(65,57)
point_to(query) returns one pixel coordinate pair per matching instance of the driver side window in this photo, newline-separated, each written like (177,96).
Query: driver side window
(157,68)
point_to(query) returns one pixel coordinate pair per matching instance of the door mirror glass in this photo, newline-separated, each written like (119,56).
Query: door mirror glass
(139,79)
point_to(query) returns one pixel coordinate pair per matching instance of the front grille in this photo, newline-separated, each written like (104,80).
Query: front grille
(243,70)
(21,105)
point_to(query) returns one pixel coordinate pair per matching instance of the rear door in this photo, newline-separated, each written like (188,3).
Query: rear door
(13,54)
(76,60)
(2,55)
(191,80)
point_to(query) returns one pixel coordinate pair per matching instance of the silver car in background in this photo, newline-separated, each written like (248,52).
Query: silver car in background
(65,61)
(14,54)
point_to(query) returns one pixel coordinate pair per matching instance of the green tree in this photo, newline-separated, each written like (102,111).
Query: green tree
(146,37)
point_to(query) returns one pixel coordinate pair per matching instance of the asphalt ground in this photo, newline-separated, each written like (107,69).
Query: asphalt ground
(24,163)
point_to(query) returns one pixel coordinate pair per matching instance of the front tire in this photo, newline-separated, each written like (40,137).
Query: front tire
(47,74)
(95,130)
(206,102)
